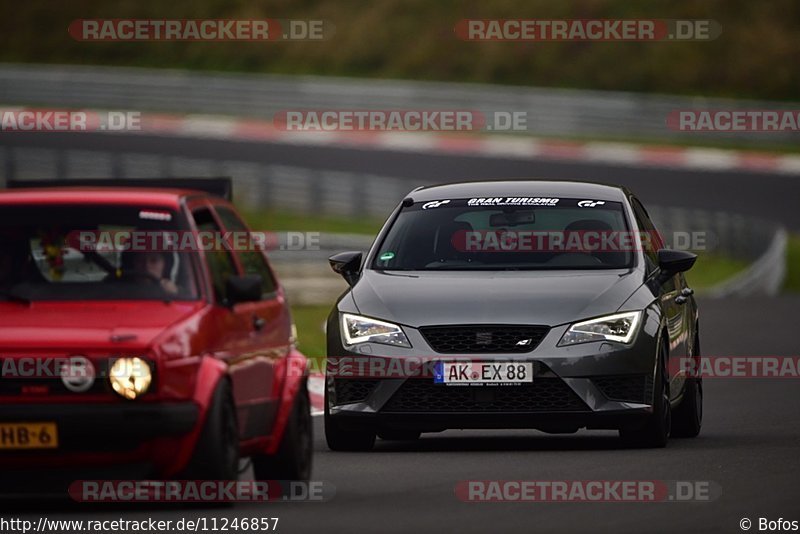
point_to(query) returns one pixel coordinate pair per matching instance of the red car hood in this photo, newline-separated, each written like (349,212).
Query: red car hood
(85,325)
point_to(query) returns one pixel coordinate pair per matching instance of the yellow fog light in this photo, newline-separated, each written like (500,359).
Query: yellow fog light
(130,377)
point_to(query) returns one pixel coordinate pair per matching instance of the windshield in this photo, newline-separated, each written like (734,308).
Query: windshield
(507,233)
(76,252)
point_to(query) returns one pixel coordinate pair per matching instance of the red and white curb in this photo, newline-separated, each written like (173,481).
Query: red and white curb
(316,391)
(468,144)
(505,146)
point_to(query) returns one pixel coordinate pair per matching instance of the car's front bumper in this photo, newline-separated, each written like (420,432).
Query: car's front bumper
(121,437)
(591,385)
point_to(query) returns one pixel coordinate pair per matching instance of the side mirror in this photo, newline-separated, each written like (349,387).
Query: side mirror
(673,262)
(347,264)
(245,288)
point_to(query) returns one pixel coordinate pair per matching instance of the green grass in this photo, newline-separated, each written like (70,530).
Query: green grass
(711,269)
(311,337)
(792,282)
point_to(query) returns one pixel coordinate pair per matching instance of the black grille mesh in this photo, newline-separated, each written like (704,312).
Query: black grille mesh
(353,390)
(626,388)
(483,339)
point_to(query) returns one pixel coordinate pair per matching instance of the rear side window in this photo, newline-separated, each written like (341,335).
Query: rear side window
(220,262)
(253,261)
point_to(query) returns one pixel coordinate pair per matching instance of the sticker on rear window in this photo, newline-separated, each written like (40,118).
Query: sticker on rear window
(155,215)
(386,256)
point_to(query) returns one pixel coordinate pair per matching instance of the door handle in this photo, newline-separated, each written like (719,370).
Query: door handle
(258,323)
(687,291)
(680,299)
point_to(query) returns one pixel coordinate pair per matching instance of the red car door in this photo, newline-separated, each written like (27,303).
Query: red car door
(231,326)
(270,332)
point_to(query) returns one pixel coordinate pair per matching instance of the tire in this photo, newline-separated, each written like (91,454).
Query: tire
(216,454)
(399,434)
(687,419)
(293,461)
(656,430)
(346,439)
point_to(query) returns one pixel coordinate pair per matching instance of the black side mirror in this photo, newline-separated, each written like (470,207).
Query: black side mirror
(673,262)
(347,264)
(245,288)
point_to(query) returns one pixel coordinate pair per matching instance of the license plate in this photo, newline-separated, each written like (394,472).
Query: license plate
(28,436)
(482,373)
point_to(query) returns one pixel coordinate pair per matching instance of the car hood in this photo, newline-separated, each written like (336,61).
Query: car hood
(497,297)
(85,325)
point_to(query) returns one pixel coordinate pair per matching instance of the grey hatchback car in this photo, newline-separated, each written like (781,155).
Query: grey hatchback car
(513,304)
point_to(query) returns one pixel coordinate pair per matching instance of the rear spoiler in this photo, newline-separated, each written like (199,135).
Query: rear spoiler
(221,187)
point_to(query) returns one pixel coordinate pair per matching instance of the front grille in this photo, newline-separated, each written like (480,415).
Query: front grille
(13,385)
(626,388)
(483,339)
(353,390)
(542,395)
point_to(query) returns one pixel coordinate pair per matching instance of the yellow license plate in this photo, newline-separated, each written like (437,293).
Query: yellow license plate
(28,436)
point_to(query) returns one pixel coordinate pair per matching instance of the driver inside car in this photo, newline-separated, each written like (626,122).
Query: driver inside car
(153,266)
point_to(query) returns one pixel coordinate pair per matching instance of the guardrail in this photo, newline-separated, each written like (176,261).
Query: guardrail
(550,112)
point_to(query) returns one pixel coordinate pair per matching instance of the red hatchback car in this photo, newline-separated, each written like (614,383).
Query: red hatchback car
(149,362)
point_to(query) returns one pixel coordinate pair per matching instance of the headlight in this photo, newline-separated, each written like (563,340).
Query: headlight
(619,327)
(130,377)
(357,329)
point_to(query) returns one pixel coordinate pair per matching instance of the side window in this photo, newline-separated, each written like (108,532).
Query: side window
(651,239)
(252,260)
(220,262)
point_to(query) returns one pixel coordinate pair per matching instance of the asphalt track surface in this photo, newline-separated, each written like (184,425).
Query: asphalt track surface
(748,447)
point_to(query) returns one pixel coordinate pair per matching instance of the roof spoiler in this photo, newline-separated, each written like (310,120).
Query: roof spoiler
(221,187)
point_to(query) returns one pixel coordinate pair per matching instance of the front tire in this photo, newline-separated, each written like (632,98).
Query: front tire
(687,419)
(347,440)
(293,460)
(656,430)
(356,439)
(216,454)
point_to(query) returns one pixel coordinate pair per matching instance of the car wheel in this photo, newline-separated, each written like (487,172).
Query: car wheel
(656,430)
(294,457)
(687,419)
(216,454)
(399,434)
(346,439)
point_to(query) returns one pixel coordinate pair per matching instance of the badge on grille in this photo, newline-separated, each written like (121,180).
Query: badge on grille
(78,374)
(483,338)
